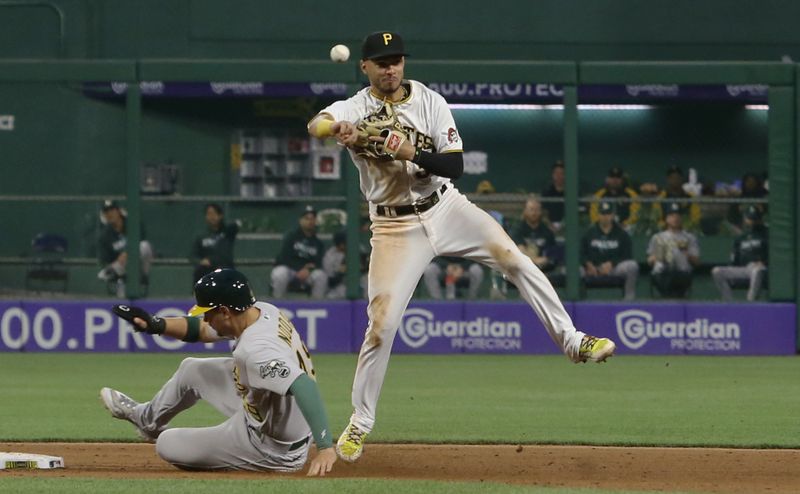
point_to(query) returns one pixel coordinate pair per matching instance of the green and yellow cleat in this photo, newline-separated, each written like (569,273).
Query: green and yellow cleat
(596,349)
(350,445)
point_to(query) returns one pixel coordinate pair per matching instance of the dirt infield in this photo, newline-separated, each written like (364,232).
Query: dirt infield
(683,469)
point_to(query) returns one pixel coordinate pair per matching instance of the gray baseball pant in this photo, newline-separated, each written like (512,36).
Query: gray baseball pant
(724,275)
(229,445)
(283,275)
(629,270)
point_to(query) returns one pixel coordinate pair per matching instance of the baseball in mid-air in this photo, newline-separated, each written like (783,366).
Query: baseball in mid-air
(340,53)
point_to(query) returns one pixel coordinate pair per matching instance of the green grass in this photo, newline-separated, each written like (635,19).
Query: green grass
(321,486)
(721,401)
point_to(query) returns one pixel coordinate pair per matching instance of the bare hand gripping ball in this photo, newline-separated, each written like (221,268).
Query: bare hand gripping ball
(340,53)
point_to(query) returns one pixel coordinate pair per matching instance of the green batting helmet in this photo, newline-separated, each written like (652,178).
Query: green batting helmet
(222,287)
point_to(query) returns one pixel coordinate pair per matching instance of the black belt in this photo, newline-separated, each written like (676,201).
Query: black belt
(418,207)
(298,444)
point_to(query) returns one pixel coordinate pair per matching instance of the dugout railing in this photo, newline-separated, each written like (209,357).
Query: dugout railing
(783,139)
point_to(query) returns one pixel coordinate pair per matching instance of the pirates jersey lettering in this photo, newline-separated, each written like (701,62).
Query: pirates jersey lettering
(429,124)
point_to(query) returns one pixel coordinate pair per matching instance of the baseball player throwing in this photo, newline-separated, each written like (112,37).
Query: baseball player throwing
(403,140)
(267,389)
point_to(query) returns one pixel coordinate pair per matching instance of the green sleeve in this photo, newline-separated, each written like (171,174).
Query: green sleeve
(306,393)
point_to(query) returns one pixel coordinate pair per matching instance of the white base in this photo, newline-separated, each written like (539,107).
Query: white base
(29,461)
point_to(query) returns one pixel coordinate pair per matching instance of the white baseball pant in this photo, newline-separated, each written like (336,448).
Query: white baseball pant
(402,247)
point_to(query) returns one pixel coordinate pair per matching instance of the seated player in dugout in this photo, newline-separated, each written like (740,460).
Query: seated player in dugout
(555,190)
(335,266)
(298,266)
(267,389)
(626,203)
(673,255)
(534,237)
(607,250)
(112,244)
(748,258)
(403,140)
(213,249)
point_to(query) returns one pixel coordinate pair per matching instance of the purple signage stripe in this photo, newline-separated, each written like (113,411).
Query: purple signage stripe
(432,328)
(91,326)
(693,328)
(454,92)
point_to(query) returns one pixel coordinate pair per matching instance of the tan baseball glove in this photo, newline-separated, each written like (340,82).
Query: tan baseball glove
(383,123)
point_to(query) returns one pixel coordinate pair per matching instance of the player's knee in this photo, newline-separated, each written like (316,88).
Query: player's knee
(173,448)
(631,267)
(279,273)
(509,259)
(716,272)
(188,369)
(166,445)
(476,272)
(188,363)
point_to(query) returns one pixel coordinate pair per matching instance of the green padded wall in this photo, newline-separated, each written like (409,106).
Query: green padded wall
(470,29)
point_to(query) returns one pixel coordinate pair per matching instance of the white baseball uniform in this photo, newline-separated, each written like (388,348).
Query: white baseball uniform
(404,244)
(265,429)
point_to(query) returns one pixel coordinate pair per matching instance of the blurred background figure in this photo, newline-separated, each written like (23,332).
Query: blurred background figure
(627,208)
(606,251)
(334,265)
(452,273)
(555,209)
(752,188)
(533,237)
(674,189)
(298,266)
(748,258)
(111,245)
(213,249)
(673,254)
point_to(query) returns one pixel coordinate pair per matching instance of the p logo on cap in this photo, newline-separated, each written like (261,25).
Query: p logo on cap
(382,44)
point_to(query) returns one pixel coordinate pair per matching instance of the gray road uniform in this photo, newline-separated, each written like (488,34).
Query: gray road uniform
(265,429)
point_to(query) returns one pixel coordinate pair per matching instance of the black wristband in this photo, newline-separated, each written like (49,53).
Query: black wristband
(156,325)
(192,330)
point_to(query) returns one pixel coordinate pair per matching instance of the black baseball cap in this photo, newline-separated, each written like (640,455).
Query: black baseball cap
(382,44)
(606,207)
(616,172)
(110,204)
(672,207)
(674,169)
(752,212)
(309,209)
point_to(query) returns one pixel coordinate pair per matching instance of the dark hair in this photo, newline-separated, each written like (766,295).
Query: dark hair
(216,207)
(557,164)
